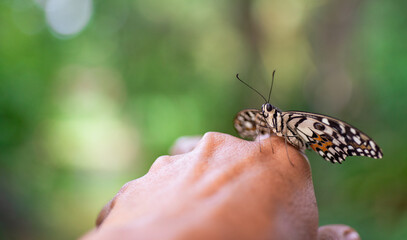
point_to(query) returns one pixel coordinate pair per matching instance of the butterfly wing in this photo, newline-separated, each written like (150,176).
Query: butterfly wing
(250,124)
(331,138)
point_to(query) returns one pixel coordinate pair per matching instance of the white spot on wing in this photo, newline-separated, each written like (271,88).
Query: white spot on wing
(353,130)
(324,120)
(357,140)
(372,145)
(328,131)
(342,128)
(342,139)
(336,142)
(248,125)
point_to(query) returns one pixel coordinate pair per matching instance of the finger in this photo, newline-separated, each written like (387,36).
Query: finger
(337,232)
(184,144)
(109,206)
(104,213)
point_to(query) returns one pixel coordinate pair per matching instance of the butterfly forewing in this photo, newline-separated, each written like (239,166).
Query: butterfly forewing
(250,124)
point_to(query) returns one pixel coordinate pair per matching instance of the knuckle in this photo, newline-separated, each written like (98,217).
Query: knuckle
(209,136)
(124,188)
(160,162)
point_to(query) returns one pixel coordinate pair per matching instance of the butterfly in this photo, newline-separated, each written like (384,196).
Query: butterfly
(331,138)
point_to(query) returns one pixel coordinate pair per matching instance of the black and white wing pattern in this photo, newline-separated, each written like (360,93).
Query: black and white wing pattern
(250,124)
(331,138)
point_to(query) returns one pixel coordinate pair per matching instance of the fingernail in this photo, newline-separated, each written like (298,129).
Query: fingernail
(351,234)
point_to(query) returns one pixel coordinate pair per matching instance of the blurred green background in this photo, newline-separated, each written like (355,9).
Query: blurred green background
(91,92)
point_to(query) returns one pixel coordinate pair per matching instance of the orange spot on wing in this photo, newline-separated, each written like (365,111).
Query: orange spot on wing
(314,146)
(368,147)
(321,144)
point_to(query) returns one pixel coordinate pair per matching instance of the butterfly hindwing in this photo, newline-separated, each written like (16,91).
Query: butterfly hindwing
(332,139)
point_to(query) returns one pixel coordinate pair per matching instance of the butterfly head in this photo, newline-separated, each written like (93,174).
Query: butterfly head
(272,116)
(268,110)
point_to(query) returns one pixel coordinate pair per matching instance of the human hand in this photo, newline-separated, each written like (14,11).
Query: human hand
(225,188)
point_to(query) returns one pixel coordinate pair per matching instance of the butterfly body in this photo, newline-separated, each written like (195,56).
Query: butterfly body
(331,138)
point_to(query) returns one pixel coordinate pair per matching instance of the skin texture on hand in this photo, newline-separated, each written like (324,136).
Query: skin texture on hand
(225,188)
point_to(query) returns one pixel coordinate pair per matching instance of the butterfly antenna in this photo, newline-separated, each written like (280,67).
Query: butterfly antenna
(237,76)
(272,82)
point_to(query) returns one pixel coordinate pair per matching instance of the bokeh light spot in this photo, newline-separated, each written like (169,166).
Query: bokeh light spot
(68,17)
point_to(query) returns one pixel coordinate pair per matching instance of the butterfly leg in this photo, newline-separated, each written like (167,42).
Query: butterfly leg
(272,148)
(286,149)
